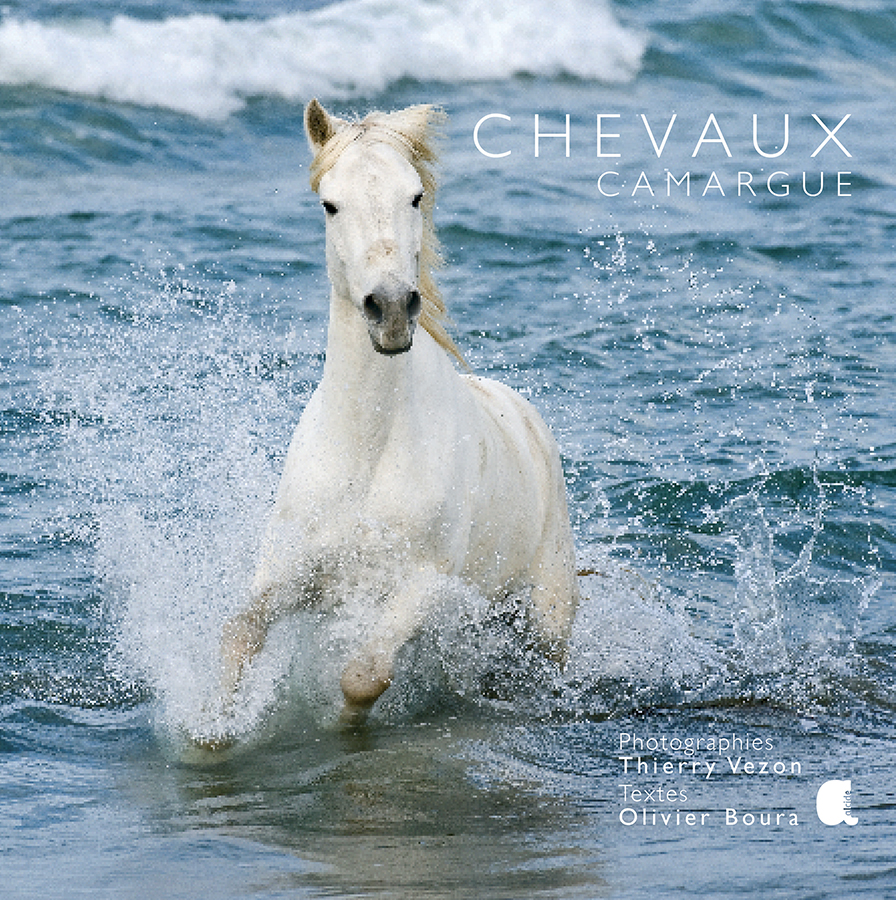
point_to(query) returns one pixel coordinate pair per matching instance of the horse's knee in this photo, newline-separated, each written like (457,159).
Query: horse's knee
(365,679)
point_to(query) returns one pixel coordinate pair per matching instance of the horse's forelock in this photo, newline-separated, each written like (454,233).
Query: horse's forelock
(412,131)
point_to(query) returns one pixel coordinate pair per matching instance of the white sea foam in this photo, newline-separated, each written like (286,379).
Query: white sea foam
(207,66)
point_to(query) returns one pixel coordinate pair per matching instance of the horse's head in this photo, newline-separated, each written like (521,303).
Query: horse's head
(372,195)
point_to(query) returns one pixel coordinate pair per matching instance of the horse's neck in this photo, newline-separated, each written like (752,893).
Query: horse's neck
(365,393)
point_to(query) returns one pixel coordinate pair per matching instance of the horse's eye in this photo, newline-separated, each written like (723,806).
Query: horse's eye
(416,201)
(330,208)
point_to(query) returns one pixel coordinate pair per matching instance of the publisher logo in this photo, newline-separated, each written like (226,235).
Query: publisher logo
(833,803)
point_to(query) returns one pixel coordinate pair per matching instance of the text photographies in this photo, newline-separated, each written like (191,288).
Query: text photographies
(496,136)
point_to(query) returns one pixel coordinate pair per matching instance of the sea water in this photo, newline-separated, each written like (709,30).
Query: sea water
(700,306)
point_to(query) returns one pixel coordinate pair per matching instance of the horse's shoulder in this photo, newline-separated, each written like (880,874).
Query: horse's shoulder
(512,415)
(500,398)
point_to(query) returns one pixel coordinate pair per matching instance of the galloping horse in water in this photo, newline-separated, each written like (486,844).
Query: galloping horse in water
(402,470)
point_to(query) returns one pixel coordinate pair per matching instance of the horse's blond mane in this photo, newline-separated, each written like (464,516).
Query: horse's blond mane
(414,132)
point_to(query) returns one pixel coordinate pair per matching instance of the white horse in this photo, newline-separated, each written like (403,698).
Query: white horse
(402,470)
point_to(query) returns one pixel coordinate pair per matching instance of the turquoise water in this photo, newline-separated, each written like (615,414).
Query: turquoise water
(717,365)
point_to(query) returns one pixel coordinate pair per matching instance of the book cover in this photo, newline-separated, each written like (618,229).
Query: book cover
(668,227)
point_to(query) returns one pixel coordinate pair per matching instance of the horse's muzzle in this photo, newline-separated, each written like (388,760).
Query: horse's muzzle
(391,316)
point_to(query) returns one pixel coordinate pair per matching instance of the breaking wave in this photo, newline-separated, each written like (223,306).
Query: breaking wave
(208,66)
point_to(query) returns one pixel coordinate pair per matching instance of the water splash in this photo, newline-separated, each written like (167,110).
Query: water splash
(181,407)
(759,645)
(794,624)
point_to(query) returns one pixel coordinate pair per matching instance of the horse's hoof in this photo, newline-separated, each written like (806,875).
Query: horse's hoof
(353,716)
(363,681)
(216,744)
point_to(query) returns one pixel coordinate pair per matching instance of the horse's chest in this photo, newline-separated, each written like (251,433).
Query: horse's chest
(390,506)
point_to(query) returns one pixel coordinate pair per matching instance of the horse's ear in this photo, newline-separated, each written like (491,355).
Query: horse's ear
(320,126)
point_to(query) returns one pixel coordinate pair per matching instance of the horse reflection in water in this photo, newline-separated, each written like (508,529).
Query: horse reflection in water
(403,470)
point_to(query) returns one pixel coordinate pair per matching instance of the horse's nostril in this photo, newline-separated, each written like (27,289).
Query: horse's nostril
(372,309)
(413,304)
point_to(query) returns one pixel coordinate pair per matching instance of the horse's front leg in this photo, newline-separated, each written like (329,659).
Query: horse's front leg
(242,640)
(245,633)
(370,671)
